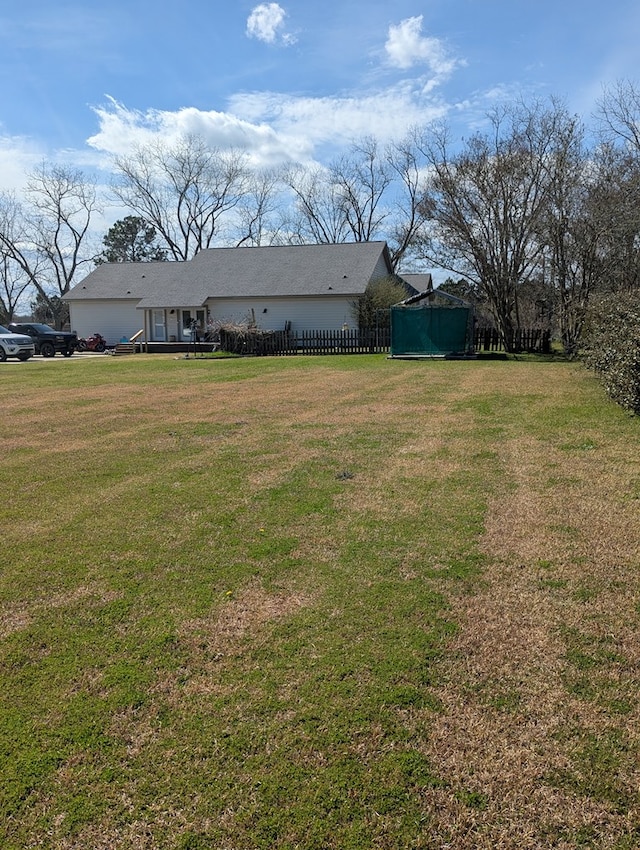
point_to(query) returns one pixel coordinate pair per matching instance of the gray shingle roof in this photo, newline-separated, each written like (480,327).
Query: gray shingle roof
(421,282)
(276,271)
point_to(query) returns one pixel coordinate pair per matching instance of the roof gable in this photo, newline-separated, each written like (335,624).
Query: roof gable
(418,281)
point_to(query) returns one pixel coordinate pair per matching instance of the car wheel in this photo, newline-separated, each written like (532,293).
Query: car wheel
(3,354)
(47,349)
(24,355)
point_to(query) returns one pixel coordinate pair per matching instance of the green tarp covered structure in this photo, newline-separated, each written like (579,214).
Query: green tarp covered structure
(432,324)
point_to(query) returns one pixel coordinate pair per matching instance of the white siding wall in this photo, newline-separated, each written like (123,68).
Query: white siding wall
(304,313)
(112,319)
(115,320)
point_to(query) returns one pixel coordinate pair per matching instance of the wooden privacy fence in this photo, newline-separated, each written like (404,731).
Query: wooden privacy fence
(353,341)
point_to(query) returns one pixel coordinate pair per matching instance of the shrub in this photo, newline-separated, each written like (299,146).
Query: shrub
(611,346)
(371,310)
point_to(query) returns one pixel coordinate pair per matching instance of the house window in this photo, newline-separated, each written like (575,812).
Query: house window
(158,326)
(200,319)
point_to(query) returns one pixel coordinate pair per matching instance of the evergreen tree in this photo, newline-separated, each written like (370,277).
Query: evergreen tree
(131,240)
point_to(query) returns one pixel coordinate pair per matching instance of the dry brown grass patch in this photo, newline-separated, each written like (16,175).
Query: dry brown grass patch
(16,616)
(504,732)
(213,639)
(244,612)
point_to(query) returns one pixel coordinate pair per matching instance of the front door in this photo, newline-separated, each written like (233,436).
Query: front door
(158,326)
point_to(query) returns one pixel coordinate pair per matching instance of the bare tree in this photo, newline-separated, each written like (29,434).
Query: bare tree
(406,161)
(619,155)
(615,207)
(485,203)
(360,181)
(258,220)
(367,194)
(570,234)
(575,269)
(317,215)
(48,235)
(14,281)
(619,114)
(64,202)
(182,190)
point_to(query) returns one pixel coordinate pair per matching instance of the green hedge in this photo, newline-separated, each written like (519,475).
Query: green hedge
(612,346)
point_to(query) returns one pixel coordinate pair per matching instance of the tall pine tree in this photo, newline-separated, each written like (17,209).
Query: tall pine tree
(131,240)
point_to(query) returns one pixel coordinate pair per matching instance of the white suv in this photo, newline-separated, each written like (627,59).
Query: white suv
(15,345)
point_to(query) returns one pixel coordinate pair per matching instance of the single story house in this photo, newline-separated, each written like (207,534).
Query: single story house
(300,287)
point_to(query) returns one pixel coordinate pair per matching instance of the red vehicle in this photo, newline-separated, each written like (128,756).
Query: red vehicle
(96,342)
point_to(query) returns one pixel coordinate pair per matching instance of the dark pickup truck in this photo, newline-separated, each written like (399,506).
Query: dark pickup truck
(47,340)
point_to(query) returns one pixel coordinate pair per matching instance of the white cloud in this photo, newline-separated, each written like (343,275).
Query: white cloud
(18,157)
(122,130)
(266,23)
(273,128)
(335,121)
(406,46)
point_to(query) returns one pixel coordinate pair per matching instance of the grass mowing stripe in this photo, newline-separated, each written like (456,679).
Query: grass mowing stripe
(235,628)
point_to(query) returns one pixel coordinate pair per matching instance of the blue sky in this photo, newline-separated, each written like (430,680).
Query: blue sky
(296,79)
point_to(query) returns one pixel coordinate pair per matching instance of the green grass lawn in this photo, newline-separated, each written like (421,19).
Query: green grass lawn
(317,603)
